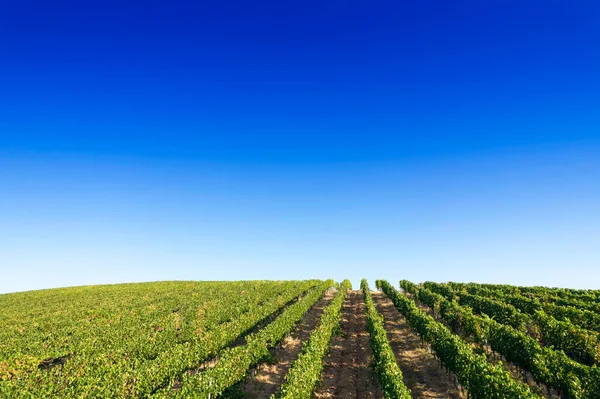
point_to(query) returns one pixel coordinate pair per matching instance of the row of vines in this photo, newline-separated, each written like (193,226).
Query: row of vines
(203,339)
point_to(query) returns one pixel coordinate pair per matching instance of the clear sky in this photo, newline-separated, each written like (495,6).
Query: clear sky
(428,140)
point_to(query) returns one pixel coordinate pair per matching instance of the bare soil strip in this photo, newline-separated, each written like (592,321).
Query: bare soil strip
(422,372)
(348,373)
(267,378)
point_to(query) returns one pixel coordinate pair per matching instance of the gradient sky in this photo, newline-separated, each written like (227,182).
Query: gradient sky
(427,140)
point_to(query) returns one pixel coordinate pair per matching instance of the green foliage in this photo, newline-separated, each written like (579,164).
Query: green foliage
(578,343)
(409,287)
(304,375)
(234,363)
(581,299)
(155,340)
(481,379)
(548,366)
(390,376)
(532,299)
(125,340)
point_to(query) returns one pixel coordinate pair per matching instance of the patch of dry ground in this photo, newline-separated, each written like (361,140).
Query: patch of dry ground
(422,372)
(267,378)
(348,373)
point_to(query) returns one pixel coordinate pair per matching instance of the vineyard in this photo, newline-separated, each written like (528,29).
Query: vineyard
(300,339)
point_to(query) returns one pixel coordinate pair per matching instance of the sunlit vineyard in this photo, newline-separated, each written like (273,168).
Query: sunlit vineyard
(300,339)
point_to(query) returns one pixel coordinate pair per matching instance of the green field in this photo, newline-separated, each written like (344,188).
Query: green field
(222,339)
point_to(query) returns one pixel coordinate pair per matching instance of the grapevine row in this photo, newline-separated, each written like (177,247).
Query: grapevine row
(216,337)
(234,363)
(388,372)
(304,375)
(481,378)
(562,296)
(190,355)
(553,368)
(128,340)
(584,318)
(579,344)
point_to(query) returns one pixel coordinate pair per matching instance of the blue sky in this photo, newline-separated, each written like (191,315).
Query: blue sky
(234,140)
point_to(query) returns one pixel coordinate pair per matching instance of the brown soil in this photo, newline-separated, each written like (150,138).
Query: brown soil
(348,373)
(422,372)
(266,379)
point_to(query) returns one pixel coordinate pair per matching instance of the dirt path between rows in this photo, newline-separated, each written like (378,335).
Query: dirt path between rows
(421,370)
(347,370)
(267,378)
